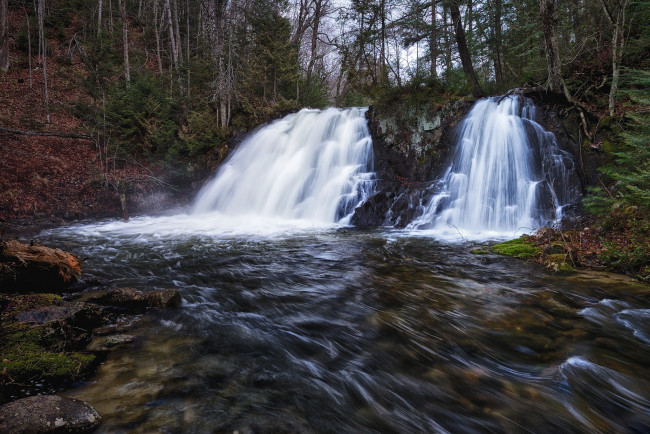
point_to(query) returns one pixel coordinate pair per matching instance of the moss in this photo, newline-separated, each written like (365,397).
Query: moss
(28,361)
(558,262)
(29,353)
(521,248)
(23,303)
(480,252)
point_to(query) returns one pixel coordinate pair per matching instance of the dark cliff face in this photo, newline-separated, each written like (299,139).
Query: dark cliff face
(413,146)
(411,143)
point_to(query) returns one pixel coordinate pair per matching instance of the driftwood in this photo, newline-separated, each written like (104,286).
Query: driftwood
(45,134)
(29,267)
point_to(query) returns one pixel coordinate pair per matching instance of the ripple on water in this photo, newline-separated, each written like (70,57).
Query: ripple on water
(361,332)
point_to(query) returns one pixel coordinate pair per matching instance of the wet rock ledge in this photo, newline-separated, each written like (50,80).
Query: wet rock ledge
(47,342)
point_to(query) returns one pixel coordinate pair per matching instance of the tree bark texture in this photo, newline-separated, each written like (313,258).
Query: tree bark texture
(433,43)
(125,41)
(617,19)
(549,19)
(4,35)
(463,51)
(43,49)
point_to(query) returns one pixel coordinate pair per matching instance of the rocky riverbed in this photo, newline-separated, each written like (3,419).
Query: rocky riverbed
(55,329)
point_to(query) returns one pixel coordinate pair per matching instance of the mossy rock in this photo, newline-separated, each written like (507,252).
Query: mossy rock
(47,352)
(518,248)
(17,304)
(480,251)
(558,262)
(29,361)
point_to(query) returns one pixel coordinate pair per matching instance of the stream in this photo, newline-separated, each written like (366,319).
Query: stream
(337,330)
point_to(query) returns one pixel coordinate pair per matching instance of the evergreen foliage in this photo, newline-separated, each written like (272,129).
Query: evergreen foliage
(630,170)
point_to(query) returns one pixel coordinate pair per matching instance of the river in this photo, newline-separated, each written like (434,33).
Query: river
(333,329)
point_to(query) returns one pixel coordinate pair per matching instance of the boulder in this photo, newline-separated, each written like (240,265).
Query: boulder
(77,315)
(48,414)
(138,301)
(116,340)
(31,267)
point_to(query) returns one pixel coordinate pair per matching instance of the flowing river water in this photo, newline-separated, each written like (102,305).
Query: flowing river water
(293,322)
(338,330)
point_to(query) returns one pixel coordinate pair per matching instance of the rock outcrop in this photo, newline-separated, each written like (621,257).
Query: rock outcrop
(47,414)
(132,300)
(411,146)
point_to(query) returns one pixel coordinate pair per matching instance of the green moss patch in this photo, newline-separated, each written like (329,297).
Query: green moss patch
(521,248)
(38,353)
(27,361)
(558,262)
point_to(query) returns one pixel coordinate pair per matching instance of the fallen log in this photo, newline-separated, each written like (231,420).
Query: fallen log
(45,134)
(31,267)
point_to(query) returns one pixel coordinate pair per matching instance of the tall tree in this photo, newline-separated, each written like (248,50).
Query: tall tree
(616,15)
(43,50)
(463,51)
(125,41)
(4,35)
(433,41)
(498,40)
(549,18)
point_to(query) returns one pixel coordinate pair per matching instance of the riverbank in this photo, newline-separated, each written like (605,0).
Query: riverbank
(55,331)
(619,242)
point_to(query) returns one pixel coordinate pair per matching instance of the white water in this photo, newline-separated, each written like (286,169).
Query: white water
(309,168)
(493,186)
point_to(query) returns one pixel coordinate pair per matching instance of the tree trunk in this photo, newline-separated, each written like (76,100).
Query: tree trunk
(433,43)
(4,35)
(29,50)
(318,13)
(463,51)
(617,19)
(498,61)
(157,31)
(549,19)
(445,13)
(99,16)
(125,41)
(43,45)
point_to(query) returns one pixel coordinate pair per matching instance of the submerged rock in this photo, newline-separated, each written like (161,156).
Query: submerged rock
(138,301)
(115,340)
(28,267)
(48,414)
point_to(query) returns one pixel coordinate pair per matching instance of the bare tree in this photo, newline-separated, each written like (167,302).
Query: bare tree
(616,16)
(29,50)
(433,42)
(463,51)
(43,49)
(100,5)
(549,18)
(4,35)
(125,41)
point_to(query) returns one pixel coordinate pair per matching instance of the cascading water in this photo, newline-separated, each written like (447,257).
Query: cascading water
(507,174)
(312,165)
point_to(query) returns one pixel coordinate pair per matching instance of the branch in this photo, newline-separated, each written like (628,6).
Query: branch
(45,134)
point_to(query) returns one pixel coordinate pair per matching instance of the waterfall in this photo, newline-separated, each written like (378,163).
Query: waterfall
(314,165)
(507,174)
